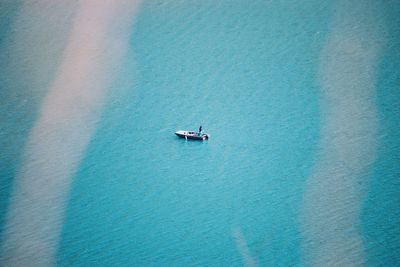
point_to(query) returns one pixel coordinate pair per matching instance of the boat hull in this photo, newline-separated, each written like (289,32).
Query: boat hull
(192,135)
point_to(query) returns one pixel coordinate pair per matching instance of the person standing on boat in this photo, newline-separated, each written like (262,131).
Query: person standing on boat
(200,130)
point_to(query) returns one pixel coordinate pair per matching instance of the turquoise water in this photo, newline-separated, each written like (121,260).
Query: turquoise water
(250,74)
(380,217)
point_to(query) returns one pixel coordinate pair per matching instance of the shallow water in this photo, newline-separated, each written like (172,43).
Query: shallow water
(303,155)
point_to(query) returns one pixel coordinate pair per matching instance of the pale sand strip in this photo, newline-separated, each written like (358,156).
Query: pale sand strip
(332,198)
(67,120)
(242,247)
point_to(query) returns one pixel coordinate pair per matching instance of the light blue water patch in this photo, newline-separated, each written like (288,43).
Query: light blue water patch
(246,72)
(381,216)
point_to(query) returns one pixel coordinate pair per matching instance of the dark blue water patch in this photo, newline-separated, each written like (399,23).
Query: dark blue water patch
(18,109)
(9,10)
(10,154)
(246,72)
(381,216)
(24,81)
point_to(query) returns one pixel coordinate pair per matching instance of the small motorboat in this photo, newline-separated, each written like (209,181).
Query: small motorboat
(192,135)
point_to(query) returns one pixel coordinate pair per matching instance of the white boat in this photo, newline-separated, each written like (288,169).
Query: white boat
(192,135)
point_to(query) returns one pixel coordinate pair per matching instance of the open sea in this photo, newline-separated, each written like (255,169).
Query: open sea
(301,99)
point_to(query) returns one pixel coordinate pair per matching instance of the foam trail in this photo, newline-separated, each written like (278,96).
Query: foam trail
(243,248)
(332,198)
(59,137)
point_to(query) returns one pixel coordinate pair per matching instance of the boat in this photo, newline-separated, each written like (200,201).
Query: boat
(192,135)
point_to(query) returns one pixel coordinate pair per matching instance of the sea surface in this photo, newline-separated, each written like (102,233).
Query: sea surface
(301,99)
